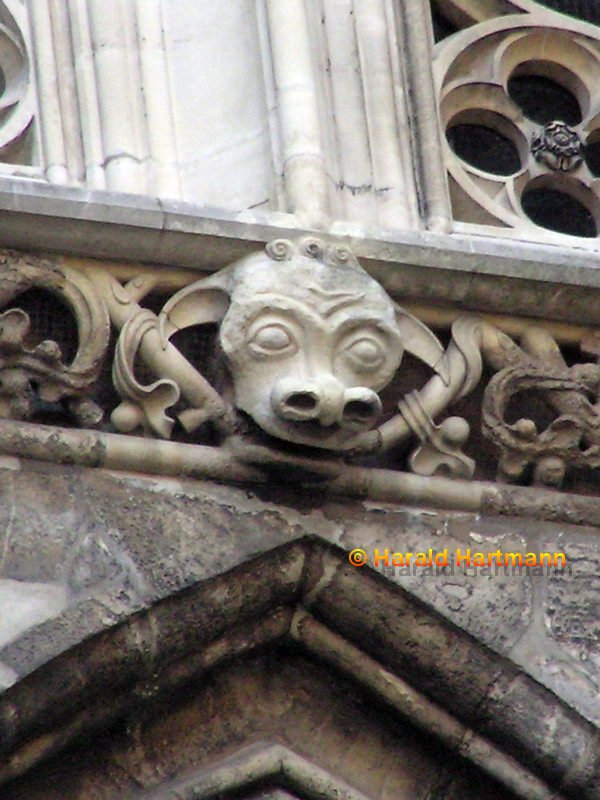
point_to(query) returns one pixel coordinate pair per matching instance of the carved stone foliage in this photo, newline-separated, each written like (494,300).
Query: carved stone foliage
(35,373)
(305,363)
(572,438)
(518,102)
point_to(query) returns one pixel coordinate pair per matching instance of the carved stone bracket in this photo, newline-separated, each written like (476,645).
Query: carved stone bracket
(309,339)
(306,342)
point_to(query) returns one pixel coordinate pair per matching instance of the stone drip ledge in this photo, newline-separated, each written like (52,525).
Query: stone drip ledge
(417,663)
(466,270)
(256,764)
(160,457)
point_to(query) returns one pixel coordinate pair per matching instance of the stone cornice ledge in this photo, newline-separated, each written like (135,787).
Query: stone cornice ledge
(473,272)
(151,456)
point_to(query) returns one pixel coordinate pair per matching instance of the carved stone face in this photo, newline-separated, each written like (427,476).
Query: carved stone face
(309,337)
(309,345)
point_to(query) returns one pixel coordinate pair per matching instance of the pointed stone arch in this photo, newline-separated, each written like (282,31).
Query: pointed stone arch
(302,600)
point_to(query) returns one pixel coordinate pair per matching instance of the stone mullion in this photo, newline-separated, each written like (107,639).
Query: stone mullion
(304,164)
(158,103)
(87,92)
(119,95)
(401,108)
(276,151)
(350,121)
(415,43)
(54,146)
(67,93)
(392,186)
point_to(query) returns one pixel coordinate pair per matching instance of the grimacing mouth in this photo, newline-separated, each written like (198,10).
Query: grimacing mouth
(313,430)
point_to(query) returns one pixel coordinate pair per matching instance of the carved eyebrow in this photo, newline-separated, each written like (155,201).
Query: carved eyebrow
(330,302)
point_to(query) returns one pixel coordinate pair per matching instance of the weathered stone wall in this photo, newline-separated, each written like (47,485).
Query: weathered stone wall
(217,128)
(285,697)
(83,549)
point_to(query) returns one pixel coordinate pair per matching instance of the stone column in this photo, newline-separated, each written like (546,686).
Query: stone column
(105,106)
(302,155)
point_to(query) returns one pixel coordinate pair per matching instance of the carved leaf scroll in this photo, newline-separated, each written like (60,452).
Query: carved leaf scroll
(307,345)
(571,439)
(309,341)
(33,373)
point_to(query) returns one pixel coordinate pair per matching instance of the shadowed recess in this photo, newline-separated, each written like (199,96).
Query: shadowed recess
(588,10)
(484,148)
(558,211)
(442,27)
(592,156)
(543,100)
(50,319)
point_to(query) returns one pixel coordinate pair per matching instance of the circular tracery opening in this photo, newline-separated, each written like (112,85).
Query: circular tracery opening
(487,141)
(557,210)
(484,148)
(592,153)
(545,92)
(583,9)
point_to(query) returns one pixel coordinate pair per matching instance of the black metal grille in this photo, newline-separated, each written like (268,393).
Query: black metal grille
(50,319)
(588,10)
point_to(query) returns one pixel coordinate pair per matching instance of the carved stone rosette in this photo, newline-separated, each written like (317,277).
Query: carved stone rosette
(558,146)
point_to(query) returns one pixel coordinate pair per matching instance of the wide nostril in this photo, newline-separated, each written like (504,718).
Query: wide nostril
(301,401)
(296,401)
(359,409)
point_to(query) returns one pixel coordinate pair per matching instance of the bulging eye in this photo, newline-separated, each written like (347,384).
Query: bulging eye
(271,340)
(365,353)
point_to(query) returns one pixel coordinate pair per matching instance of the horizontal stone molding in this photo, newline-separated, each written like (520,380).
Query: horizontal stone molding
(134,454)
(469,271)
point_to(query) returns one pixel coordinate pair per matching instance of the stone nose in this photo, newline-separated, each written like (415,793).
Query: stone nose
(361,408)
(320,399)
(325,400)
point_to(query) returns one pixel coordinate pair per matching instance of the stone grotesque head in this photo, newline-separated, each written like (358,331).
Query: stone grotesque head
(309,337)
